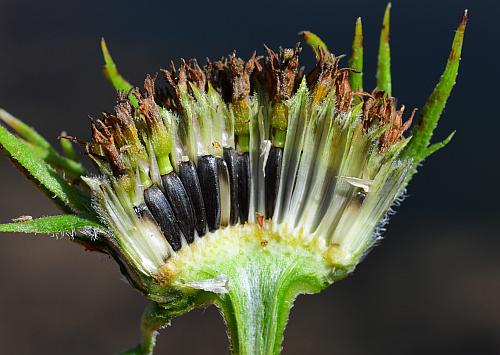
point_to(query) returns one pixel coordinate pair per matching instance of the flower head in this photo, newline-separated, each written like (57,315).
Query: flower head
(238,180)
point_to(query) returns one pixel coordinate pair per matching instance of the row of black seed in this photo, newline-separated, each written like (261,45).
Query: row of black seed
(189,199)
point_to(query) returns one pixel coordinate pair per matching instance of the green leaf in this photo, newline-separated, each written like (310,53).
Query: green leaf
(57,161)
(41,146)
(111,73)
(384,55)
(25,131)
(67,196)
(356,59)
(314,41)
(67,223)
(436,146)
(418,148)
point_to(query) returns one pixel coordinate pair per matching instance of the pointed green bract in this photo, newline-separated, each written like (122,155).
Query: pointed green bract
(111,73)
(68,148)
(384,55)
(313,41)
(418,148)
(356,59)
(68,197)
(66,223)
(436,146)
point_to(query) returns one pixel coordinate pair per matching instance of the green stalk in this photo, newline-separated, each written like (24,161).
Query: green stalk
(261,295)
(256,313)
(262,289)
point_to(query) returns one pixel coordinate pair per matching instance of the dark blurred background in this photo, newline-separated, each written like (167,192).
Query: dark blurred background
(433,287)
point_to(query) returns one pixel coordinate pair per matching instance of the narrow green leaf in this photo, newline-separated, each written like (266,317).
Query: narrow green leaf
(314,41)
(68,148)
(67,196)
(418,148)
(57,161)
(67,223)
(356,59)
(40,145)
(384,55)
(436,146)
(111,73)
(24,130)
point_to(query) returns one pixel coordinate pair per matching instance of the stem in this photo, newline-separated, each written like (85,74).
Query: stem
(253,276)
(261,295)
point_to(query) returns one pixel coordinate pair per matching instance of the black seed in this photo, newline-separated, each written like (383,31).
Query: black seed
(209,183)
(272,179)
(243,186)
(189,178)
(179,201)
(163,215)
(231,159)
(224,191)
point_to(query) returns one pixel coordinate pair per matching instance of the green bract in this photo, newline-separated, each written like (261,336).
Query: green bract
(241,184)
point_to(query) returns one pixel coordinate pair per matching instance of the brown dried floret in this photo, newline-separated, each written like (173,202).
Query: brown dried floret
(343,90)
(234,78)
(381,110)
(195,74)
(123,110)
(280,73)
(176,83)
(327,76)
(324,71)
(217,75)
(122,126)
(147,105)
(104,139)
(240,76)
(231,76)
(115,128)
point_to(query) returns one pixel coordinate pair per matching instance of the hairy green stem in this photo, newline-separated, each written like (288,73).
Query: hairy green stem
(261,295)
